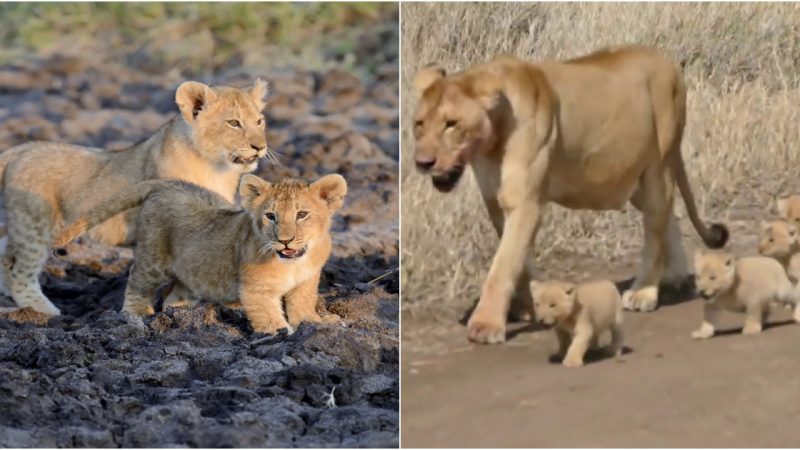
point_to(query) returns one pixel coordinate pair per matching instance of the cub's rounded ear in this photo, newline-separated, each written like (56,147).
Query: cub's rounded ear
(427,76)
(782,205)
(331,188)
(251,187)
(729,261)
(259,93)
(192,97)
(570,289)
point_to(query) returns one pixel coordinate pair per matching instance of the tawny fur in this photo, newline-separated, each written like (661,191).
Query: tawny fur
(746,285)
(580,314)
(781,240)
(590,133)
(218,135)
(222,254)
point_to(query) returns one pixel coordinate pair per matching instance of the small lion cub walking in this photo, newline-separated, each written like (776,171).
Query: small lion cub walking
(747,285)
(580,314)
(272,248)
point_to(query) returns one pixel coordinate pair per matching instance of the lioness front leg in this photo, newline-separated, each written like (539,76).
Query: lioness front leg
(301,304)
(708,326)
(487,325)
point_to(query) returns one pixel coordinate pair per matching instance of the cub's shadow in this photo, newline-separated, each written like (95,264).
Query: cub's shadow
(668,295)
(738,330)
(593,355)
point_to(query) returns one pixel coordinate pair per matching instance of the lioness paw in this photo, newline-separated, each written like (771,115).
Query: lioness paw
(644,300)
(484,332)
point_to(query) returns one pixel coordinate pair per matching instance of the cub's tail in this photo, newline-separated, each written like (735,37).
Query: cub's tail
(125,199)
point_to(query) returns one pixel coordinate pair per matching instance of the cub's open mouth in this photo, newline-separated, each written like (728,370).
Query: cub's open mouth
(290,253)
(243,160)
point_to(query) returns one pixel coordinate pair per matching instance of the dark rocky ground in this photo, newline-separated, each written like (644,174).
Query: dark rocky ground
(199,376)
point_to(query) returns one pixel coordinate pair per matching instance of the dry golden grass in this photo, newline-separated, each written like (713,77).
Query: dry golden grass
(741,146)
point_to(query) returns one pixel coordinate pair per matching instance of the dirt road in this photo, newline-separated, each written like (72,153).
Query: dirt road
(668,391)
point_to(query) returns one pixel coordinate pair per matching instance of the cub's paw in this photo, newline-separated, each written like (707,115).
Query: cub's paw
(644,300)
(482,331)
(703,332)
(273,328)
(751,328)
(572,362)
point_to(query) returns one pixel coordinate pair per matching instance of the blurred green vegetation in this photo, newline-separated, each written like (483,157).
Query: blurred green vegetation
(313,32)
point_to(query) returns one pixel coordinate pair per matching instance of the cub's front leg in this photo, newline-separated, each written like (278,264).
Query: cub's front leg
(262,304)
(301,303)
(577,349)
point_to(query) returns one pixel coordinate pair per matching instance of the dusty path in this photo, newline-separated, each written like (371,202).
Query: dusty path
(669,391)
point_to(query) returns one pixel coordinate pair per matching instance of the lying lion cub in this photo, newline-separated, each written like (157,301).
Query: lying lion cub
(580,314)
(746,285)
(780,240)
(275,247)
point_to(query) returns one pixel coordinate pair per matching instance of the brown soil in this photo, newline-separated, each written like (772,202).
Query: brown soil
(666,391)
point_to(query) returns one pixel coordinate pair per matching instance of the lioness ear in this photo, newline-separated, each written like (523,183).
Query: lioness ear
(427,76)
(331,188)
(782,205)
(259,93)
(250,188)
(192,97)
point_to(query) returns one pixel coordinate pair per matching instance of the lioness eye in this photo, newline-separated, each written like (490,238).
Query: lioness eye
(271,216)
(302,214)
(234,123)
(450,123)
(260,121)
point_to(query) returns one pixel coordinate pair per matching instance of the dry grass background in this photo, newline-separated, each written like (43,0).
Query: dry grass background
(741,146)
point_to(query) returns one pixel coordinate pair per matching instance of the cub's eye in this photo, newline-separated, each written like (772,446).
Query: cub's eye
(552,305)
(270,216)
(770,240)
(712,277)
(302,214)
(450,124)
(260,122)
(417,123)
(234,123)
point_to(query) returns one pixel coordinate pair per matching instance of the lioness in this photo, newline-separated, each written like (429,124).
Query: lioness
(749,285)
(274,247)
(588,133)
(219,134)
(781,240)
(580,314)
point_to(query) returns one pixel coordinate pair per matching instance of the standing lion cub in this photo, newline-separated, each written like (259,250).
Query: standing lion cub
(780,240)
(580,314)
(219,135)
(746,285)
(275,247)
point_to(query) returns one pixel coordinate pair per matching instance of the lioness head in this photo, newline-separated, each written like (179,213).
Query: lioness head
(789,208)
(227,126)
(553,301)
(451,125)
(779,239)
(715,272)
(291,215)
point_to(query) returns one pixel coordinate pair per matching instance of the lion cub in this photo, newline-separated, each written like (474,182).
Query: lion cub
(789,208)
(746,285)
(580,314)
(780,240)
(272,248)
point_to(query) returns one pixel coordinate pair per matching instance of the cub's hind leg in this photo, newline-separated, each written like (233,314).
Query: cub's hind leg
(30,229)
(147,275)
(754,318)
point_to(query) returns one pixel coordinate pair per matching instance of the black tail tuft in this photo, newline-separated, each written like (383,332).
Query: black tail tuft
(718,235)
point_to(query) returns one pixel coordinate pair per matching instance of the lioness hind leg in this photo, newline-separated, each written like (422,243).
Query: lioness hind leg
(654,199)
(676,271)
